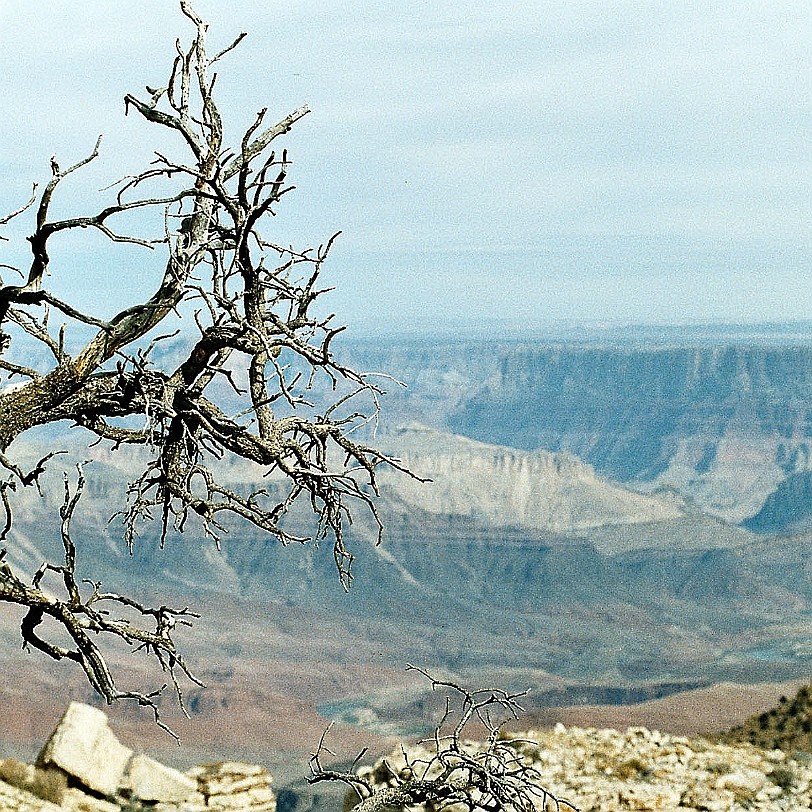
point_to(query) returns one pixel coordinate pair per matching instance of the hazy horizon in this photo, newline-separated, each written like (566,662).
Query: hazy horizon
(534,162)
(588,330)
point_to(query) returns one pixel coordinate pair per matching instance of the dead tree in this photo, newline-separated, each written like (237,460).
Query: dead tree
(243,303)
(451,771)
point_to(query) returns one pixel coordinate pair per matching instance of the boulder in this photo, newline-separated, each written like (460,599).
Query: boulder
(84,768)
(86,749)
(149,780)
(233,785)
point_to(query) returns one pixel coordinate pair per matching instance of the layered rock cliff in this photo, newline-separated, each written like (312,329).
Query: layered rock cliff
(505,487)
(724,424)
(541,563)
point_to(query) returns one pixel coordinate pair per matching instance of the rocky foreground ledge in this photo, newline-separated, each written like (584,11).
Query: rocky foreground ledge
(83,767)
(642,769)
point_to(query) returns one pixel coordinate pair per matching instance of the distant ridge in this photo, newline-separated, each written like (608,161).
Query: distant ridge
(787,726)
(602,333)
(506,487)
(721,416)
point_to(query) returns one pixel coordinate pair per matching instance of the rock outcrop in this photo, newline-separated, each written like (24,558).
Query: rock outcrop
(84,768)
(83,746)
(723,418)
(641,769)
(788,725)
(232,785)
(506,487)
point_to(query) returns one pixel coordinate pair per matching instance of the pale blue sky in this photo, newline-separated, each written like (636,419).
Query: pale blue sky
(534,162)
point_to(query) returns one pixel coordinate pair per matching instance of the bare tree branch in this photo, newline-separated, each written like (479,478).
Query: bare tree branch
(8,217)
(450,771)
(254,328)
(86,619)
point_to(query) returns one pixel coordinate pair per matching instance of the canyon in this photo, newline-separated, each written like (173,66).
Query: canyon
(610,523)
(723,417)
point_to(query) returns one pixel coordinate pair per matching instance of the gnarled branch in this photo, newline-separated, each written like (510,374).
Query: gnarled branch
(236,314)
(87,618)
(447,770)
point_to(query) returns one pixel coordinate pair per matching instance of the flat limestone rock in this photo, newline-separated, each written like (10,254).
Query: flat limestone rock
(150,780)
(230,777)
(84,747)
(78,801)
(235,786)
